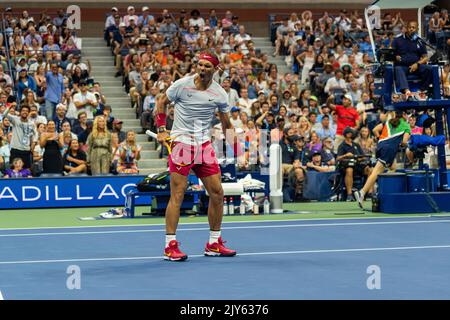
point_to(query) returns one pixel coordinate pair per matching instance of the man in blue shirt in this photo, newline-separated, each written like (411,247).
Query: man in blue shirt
(411,58)
(146,18)
(54,92)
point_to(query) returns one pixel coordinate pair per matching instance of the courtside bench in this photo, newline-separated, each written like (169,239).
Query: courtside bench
(130,201)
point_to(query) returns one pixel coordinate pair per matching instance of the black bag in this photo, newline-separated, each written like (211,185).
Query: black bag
(155,182)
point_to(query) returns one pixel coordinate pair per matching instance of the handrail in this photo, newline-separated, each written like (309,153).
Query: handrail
(8,58)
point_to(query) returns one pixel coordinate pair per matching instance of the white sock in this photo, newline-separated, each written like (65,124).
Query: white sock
(362,193)
(170,237)
(214,236)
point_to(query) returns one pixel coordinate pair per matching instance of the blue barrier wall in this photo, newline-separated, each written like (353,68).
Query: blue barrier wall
(67,192)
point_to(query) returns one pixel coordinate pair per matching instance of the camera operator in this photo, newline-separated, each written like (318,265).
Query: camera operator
(348,158)
(289,153)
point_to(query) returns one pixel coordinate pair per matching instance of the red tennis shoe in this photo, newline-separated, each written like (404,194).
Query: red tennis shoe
(217,249)
(173,252)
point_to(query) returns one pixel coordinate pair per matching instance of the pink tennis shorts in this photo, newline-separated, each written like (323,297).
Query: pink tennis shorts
(205,163)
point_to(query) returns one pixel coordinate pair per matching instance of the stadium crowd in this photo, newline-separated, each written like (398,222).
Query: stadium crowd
(54,118)
(323,112)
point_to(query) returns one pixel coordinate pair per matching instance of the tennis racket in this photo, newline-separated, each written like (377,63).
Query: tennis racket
(183,148)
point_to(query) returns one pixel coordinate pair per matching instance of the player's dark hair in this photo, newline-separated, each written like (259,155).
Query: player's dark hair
(396,121)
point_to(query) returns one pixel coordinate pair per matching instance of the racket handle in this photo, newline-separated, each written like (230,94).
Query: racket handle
(151,134)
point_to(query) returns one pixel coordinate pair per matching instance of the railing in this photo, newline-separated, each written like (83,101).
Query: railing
(8,57)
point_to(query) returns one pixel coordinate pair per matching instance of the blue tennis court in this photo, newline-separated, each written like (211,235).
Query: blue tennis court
(320,259)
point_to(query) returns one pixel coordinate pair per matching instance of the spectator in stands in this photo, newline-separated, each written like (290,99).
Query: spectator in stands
(51,46)
(54,90)
(32,34)
(85,100)
(434,26)
(281,34)
(325,130)
(245,102)
(130,153)
(74,159)
(304,128)
(289,153)
(66,130)
(4,153)
(99,147)
(235,117)
(315,143)
(38,152)
(5,76)
(35,117)
(109,118)
(146,19)
(80,125)
(111,18)
(233,96)
(293,191)
(23,135)
(196,20)
(347,154)
(168,28)
(130,16)
(60,117)
(17,170)
(52,159)
(335,83)
(366,141)
(347,116)
(25,81)
(328,155)
(29,99)
(316,163)
(117,128)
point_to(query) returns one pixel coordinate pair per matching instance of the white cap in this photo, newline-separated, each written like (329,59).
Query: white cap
(122,24)
(349,97)
(130,7)
(62,106)
(115,9)
(144,9)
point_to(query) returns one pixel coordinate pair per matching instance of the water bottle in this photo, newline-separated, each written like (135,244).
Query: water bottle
(242,207)
(225,206)
(266,205)
(255,206)
(231,206)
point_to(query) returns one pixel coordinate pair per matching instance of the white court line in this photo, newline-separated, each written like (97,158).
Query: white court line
(418,216)
(343,224)
(240,254)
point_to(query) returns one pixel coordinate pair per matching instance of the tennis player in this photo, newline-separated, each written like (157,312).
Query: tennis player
(393,133)
(196,100)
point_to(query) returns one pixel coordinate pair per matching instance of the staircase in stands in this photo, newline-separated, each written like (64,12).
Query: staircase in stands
(103,71)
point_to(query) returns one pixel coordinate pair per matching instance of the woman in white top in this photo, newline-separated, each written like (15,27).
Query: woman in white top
(38,151)
(307,19)
(196,20)
(340,55)
(67,100)
(306,60)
